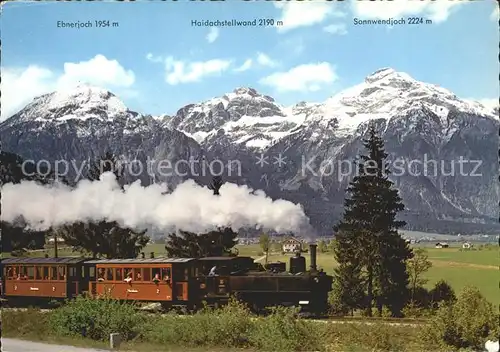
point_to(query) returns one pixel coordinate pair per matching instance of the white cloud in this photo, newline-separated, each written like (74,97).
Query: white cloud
(307,77)
(177,72)
(245,66)
(20,85)
(261,59)
(339,29)
(97,71)
(154,58)
(437,11)
(495,14)
(265,60)
(213,34)
(300,14)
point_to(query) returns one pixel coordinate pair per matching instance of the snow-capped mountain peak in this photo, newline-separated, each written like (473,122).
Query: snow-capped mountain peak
(387,73)
(416,120)
(243,115)
(81,102)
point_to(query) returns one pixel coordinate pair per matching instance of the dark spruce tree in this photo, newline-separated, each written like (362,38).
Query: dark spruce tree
(369,248)
(105,238)
(211,244)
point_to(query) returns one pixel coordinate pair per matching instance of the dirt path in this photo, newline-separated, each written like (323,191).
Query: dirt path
(15,345)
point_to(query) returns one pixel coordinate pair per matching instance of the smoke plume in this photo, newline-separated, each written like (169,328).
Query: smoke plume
(189,207)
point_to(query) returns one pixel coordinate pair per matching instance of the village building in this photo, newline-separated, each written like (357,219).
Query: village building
(291,245)
(467,245)
(442,245)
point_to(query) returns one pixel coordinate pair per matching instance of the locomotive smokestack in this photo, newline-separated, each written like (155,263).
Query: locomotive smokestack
(312,251)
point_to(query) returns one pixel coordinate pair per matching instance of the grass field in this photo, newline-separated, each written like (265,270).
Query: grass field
(460,268)
(479,268)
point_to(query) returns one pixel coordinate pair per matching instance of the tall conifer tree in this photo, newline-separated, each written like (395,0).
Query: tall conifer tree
(369,249)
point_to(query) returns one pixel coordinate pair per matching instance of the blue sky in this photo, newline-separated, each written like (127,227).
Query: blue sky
(156,61)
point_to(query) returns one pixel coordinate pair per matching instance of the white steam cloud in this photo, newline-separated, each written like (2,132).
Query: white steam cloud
(189,207)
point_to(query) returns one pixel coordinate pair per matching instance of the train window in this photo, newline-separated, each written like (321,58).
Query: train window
(72,271)
(92,272)
(38,273)
(15,273)
(46,273)
(156,274)
(100,274)
(166,274)
(30,273)
(128,274)
(9,274)
(180,273)
(109,274)
(23,273)
(119,274)
(146,274)
(53,272)
(61,270)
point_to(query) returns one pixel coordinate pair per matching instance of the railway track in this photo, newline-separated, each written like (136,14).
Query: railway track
(323,320)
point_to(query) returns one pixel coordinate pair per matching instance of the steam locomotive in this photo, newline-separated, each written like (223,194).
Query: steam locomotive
(173,282)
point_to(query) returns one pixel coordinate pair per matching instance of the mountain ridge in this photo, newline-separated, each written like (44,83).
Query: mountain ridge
(414,118)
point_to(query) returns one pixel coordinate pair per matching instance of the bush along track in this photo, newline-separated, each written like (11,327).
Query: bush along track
(465,323)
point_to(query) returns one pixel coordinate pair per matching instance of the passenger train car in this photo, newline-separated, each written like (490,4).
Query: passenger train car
(185,282)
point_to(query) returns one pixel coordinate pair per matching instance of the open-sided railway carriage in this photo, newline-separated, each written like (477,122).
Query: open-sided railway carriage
(165,280)
(33,279)
(184,282)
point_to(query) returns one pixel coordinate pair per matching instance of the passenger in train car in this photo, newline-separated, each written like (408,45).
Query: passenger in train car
(213,271)
(100,275)
(138,276)
(156,278)
(166,275)
(128,278)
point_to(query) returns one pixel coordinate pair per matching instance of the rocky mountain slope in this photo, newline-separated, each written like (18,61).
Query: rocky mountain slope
(80,125)
(301,153)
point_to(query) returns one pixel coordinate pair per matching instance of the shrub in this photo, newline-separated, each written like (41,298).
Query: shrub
(224,327)
(414,310)
(422,297)
(374,337)
(336,305)
(96,318)
(467,323)
(441,292)
(283,331)
(31,323)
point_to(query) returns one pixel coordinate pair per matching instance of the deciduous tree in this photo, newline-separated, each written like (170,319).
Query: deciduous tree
(218,242)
